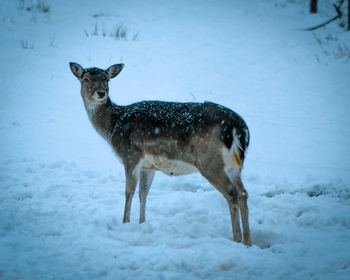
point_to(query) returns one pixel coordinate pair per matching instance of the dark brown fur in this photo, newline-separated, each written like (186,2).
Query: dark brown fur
(179,121)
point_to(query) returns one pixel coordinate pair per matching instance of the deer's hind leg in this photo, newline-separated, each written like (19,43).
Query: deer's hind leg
(224,175)
(219,179)
(236,227)
(235,178)
(146,178)
(243,206)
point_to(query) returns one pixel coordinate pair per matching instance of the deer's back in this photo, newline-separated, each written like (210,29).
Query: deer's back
(150,120)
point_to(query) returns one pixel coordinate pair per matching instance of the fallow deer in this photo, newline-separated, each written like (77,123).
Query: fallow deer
(175,138)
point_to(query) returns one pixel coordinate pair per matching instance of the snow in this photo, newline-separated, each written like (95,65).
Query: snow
(62,188)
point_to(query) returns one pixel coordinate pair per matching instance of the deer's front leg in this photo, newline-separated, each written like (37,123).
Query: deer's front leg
(132,176)
(146,178)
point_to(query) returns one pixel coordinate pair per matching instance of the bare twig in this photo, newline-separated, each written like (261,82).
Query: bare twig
(339,15)
(26,45)
(95,33)
(53,40)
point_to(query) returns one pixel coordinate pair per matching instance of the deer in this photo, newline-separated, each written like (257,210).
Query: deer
(172,137)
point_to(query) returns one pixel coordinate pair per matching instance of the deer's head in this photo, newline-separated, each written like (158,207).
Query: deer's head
(94,81)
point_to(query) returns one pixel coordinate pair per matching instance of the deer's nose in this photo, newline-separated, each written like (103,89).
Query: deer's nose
(101,94)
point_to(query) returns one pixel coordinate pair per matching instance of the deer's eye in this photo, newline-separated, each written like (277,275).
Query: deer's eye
(86,80)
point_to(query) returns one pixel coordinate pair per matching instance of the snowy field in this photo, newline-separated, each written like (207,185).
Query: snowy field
(62,189)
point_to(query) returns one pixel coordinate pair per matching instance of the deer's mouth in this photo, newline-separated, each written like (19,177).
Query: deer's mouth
(99,95)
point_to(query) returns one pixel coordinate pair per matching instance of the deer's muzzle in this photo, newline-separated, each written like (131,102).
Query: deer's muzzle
(101,94)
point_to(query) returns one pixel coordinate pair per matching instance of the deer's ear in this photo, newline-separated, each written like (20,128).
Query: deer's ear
(114,70)
(77,70)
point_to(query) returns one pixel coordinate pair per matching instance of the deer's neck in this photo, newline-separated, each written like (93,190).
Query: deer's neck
(103,117)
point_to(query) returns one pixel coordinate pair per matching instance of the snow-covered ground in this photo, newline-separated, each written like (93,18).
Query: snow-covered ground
(62,189)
